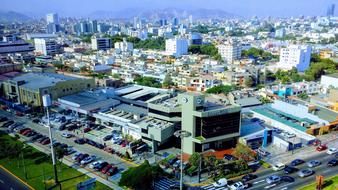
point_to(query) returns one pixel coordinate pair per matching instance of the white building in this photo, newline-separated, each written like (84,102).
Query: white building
(295,56)
(124,46)
(176,46)
(101,43)
(230,51)
(46,46)
(52,18)
(329,81)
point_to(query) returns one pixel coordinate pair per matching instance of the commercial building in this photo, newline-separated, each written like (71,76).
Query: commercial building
(280,33)
(17,47)
(46,46)
(29,88)
(195,39)
(230,51)
(214,123)
(176,46)
(295,56)
(101,43)
(329,81)
(53,25)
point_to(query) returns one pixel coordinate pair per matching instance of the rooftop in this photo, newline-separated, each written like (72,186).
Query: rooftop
(153,122)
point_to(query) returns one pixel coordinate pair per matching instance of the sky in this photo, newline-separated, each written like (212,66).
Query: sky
(245,8)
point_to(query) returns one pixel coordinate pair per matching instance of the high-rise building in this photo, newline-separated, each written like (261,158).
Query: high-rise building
(123,46)
(195,39)
(101,43)
(93,26)
(230,51)
(330,10)
(84,27)
(46,46)
(280,33)
(295,56)
(176,46)
(102,28)
(163,22)
(52,18)
(175,21)
(52,28)
(190,19)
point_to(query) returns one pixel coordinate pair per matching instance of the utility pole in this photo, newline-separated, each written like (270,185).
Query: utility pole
(182,134)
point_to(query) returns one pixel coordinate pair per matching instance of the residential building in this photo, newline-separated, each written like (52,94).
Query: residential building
(176,46)
(230,51)
(280,33)
(295,56)
(29,88)
(123,46)
(329,81)
(101,43)
(46,46)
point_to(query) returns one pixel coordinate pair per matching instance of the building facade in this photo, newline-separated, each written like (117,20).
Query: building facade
(176,47)
(46,46)
(101,43)
(295,56)
(230,51)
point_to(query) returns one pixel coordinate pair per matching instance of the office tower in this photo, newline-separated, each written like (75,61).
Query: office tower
(101,43)
(102,28)
(295,56)
(330,10)
(230,51)
(280,33)
(52,18)
(46,46)
(175,21)
(195,39)
(176,46)
(84,27)
(93,26)
(163,22)
(190,19)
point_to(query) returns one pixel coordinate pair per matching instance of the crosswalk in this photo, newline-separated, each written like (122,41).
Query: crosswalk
(211,187)
(163,184)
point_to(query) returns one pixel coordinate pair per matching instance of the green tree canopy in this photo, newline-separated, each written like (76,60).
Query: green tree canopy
(220,89)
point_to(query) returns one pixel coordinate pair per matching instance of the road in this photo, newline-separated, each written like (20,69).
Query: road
(322,169)
(10,182)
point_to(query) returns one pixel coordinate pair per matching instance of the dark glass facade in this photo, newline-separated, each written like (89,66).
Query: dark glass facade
(170,114)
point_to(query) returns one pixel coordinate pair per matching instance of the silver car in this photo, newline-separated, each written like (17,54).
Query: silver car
(273,179)
(313,163)
(305,172)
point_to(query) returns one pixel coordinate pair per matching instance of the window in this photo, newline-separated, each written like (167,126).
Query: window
(145,131)
(88,85)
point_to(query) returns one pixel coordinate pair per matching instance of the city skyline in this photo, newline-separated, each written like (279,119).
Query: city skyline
(241,8)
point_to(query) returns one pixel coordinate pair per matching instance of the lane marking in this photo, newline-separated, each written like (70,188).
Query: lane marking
(269,186)
(284,188)
(258,181)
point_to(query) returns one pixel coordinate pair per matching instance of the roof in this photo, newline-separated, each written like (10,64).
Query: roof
(250,101)
(36,81)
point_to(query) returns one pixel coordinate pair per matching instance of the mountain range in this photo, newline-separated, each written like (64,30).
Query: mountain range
(11,16)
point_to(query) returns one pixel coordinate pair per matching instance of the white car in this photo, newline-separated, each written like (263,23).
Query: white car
(76,155)
(238,186)
(94,164)
(220,183)
(66,135)
(332,151)
(88,160)
(278,166)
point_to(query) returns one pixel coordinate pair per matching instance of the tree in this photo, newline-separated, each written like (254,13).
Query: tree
(167,82)
(140,177)
(249,82)
(84,69)
(60,153)
(220,89)
(147,81)
(244,152)
(303,96)
(195,159)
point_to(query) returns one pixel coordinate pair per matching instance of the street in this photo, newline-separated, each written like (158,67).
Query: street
(10,182)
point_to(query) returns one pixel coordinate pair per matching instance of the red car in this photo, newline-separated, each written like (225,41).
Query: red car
(26,132)
(86,130)
(105,169)
(108,149)
(23,130)
(316,142)
(113,170)
(47,141)
(321,147)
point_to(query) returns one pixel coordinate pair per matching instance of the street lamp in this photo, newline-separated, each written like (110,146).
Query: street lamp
(182,134)
(46,103)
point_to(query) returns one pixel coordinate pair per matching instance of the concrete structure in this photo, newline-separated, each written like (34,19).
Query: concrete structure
(213,123)
(101,43)
(280,33)
(30,87)
(195,39)
(294,89)
(329,81)
(123,46)
(17,47)
(230,51)
(176,47)
(295,56)
(46,47)
(52,18)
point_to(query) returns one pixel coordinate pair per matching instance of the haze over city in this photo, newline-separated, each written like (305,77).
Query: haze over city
(243,8)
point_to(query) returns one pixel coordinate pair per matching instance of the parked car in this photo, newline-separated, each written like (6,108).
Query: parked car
(262,152)
(70,151)
(313,163)
(36,137)
(297,162)
(321,147)
(2,119)
(26,132)
(80,141)
(95,164)
(177,164)
(105,169)
(90,142)
(278,166)
(332,150)
(249,177)
(289,169)
(8,123)
(332,163)
(112,171)
(81,157)
(108,137)
(101,166)
(229,157)
(75,156)
(172,161)
(86,130)
(42,139)
(98,145)
(220,183)
(239,186)
(305,172)
(67,135)
(288,179)
(88,160)
(273,179)
(108,149)
(46,141)
(36,120)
